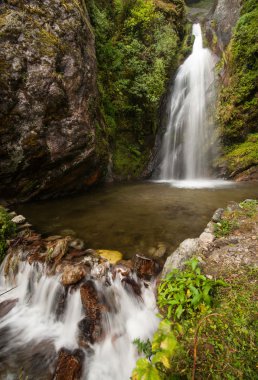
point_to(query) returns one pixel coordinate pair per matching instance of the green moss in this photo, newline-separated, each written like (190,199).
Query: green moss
(137,45)
(238,100)
(243,155)
(129,159)
(7,230)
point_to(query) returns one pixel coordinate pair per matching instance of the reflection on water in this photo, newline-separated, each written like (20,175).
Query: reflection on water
(134,217)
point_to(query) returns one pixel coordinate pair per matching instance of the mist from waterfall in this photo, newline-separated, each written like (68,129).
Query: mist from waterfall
(189,144)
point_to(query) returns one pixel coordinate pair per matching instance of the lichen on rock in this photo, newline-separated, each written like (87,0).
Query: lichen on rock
(48,100)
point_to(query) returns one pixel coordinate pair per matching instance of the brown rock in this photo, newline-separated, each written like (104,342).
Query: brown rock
(72,274)
(7,306)
(69,365)
(145,267)
(90,327)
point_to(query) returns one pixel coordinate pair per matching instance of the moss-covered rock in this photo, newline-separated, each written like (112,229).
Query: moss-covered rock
(238,98)
(49,104)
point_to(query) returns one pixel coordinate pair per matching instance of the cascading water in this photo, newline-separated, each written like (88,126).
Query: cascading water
(189,144)
(33,325)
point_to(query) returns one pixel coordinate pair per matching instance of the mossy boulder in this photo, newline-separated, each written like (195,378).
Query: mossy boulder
(49,103)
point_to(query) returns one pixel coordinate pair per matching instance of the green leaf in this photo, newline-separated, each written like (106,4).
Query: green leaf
(145,371)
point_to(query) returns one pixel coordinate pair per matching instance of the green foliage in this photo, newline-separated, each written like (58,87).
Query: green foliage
(250,206)
(227,340)
(7,230)
(143,347)
(183,294)
(244,155)
(224,228)
(182,297)
(238,100)
(159,353)
(137,45)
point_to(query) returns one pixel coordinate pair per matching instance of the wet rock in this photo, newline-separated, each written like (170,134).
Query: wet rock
(132,286)
(25,226)
(58,249)
(185,251)
(53,238)
(76,244)
(90,300)
(145,267)
(69,365)
(72,274)
(90,327)
(100,270)
(19,219)
(90,331)
(126,263)
(112,256)
(7,306)
(120,270)
(217,215)
(158,252)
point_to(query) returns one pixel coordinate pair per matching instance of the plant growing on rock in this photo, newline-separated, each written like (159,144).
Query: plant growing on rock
(7,230)
(183,294)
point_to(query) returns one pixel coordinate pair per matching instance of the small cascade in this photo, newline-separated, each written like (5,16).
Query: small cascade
(189,144)
(40,316)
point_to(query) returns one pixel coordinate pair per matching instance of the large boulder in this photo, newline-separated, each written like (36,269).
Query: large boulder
(51,134)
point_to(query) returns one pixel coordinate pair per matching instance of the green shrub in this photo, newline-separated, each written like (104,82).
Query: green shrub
(183,294)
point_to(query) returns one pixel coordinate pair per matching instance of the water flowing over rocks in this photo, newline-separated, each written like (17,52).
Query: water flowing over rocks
(70,310)
(49,108)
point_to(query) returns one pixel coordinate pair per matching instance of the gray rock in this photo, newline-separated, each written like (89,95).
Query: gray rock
(205,239)
(185,251)
(19,219)
(217,215)
(48,101)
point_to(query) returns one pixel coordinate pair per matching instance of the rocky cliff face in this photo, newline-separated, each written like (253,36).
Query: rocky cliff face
(51,134)
(237,109)
(224,18)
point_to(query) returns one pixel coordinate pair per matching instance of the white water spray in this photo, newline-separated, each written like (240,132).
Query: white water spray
(189,144)
(35,325)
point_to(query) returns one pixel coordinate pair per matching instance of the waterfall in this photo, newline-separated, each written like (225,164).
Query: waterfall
(39,316)
(189,144)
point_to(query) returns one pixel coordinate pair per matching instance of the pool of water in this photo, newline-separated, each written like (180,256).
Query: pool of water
(135,218)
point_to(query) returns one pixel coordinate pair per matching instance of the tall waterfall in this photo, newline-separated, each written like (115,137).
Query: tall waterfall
(188,145)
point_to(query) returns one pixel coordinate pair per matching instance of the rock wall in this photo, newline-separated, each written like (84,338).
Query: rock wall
(224,19)
(51,135)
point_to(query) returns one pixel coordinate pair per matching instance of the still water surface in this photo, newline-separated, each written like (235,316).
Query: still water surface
(133,218)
